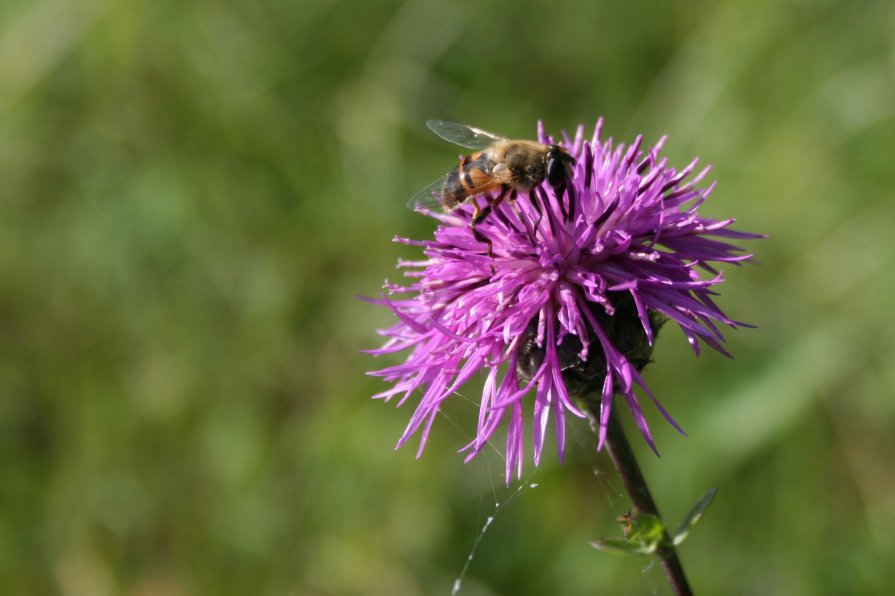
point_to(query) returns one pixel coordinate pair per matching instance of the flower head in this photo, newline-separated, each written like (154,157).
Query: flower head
(567,299)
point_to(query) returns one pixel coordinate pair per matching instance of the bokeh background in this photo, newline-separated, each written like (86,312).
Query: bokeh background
(192,193)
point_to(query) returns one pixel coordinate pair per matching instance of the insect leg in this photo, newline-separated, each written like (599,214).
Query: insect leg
(476,212)
(483,239)
(479,216)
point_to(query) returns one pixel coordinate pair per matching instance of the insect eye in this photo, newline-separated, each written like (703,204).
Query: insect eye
(556,171)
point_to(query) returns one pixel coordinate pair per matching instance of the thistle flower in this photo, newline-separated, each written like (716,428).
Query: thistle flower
(567,301)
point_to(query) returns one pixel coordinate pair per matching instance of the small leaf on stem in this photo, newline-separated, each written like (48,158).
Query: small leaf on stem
(694,515)
(624,546)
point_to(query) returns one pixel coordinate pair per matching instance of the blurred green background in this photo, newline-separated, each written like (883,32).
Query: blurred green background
(193,192)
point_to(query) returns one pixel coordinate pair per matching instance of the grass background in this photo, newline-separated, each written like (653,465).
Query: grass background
(191,193)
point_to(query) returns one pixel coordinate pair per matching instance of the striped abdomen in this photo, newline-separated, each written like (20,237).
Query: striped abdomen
(471,177)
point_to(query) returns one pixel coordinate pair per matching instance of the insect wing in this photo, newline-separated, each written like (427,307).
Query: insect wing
(431,196)
(463,135)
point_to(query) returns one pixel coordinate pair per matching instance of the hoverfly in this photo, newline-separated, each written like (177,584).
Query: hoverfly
(498,163)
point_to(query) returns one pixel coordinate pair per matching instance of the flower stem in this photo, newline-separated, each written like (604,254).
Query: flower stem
(623,458)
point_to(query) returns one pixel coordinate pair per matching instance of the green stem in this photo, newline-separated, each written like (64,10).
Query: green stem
(623,458)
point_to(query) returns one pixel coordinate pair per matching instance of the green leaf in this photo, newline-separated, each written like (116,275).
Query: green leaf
(624,546)
(694,515)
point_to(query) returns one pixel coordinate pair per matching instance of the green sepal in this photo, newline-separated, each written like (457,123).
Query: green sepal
(694,515)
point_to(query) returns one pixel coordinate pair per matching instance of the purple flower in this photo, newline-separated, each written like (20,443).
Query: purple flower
(544,313)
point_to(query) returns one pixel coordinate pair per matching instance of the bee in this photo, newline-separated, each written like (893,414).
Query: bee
(512,166)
